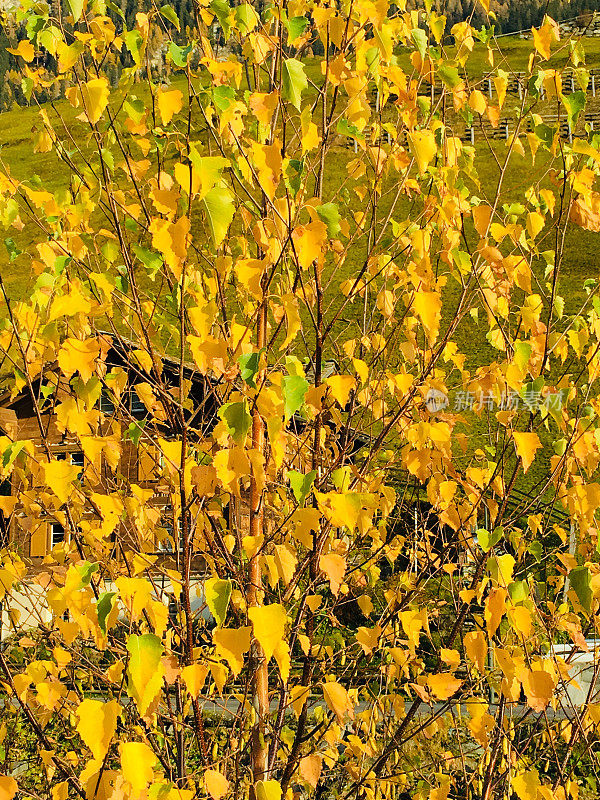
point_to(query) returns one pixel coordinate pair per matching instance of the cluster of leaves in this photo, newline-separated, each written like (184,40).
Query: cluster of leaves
(283,325)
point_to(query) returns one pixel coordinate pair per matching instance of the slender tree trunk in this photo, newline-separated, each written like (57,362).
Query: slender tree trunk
(260,687)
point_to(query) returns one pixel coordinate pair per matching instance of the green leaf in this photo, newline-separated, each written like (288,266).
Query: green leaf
(330,215)
(135,109)
(104,607)
(574,103)
(150,259)
(293,81)
(419,37)
(536,550)
(222,12)
(296,27)
(134,432)
(86,570)
(518,591)
(217,593)
(246,18)
(294,391)
(13,250)
(345,128)
(522,353)
(76,8)
(449,75)
(219,209)
(237,418)
(301,484)
(134,43)
(488,539)
(223,97)
(580,579)
(249,365)
(144,670)
(168,12)
(179,55)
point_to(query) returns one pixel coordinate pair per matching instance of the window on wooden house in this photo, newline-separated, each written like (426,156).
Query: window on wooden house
(57,534)
(136,406)
(106,404)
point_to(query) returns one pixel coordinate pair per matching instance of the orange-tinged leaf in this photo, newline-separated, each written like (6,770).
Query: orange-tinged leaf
(8,787)
(308,242)
(481,218)
(310,769)
(527,444)
(97,724)
(334,566)
(495,606)
(216,784)
(137,764)
(443,685)
(338,700)
(476,648)
(268,626)
(169,103)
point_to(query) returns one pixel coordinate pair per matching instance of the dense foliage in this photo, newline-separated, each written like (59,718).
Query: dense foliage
(307,406)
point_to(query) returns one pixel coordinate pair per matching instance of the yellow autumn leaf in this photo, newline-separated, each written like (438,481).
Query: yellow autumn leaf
(443,685)
(428,306)
(169,103)
(520,619)
(95,95)
(137,765)
(267,790)
(310,769)
(338,700)
(423,147)
(8,787)
(526,445)
(495,606)
(535,223)
(527,785)
(97,724)
(216,784)
(268,626)
(308,242)
(24,49)
(194,677)
(77,355)
(538,686)
(60,476)
(477,102)
(231,644)
(340,387)
(476,648)
(542,39)
(334,566)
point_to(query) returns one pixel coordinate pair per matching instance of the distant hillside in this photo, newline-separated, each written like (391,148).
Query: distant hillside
(517,15)
(511,16)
